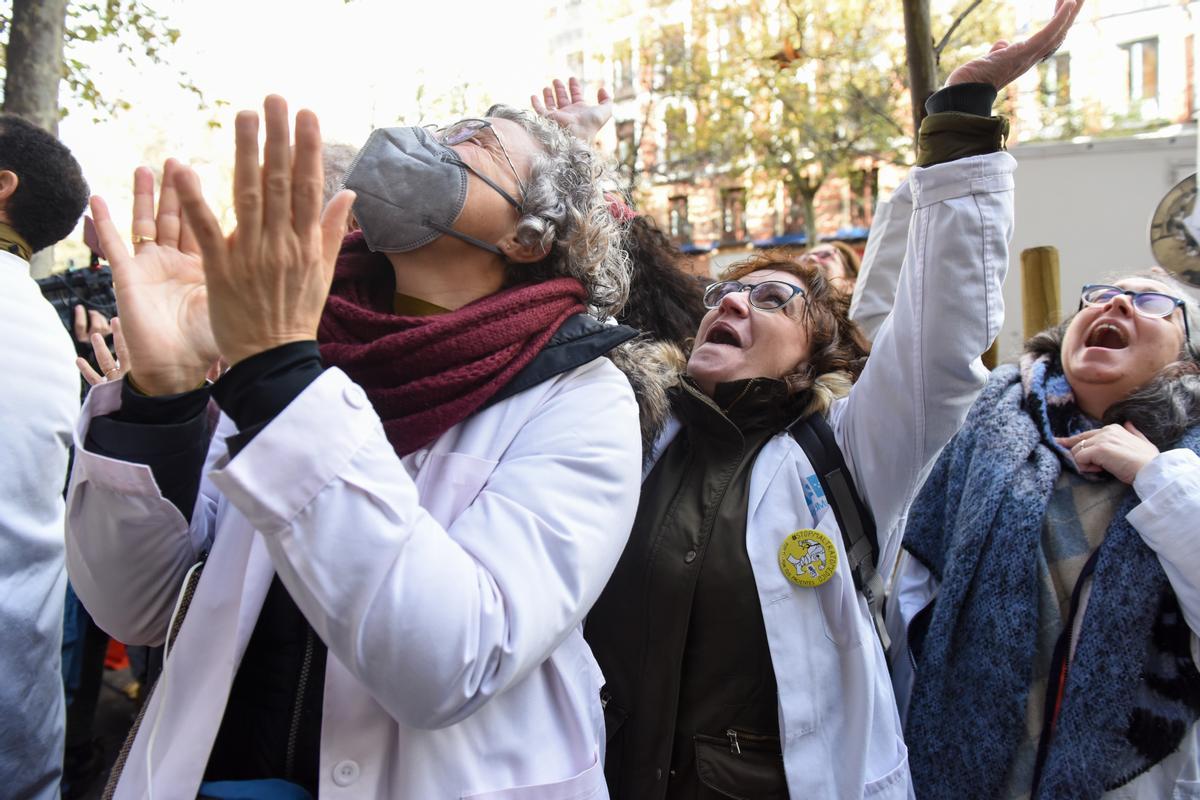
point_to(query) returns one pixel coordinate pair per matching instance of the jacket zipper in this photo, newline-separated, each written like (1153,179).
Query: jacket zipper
(298,708)
(734,747)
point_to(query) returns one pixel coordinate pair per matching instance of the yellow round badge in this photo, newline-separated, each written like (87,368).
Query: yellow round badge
(808,558)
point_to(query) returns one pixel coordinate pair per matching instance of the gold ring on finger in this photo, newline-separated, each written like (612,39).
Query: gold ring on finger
(138,238)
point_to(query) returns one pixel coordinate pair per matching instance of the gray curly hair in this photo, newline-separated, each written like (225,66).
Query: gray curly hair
(567,215)
(336,159)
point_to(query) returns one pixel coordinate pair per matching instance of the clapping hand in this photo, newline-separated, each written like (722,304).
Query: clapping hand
(110,369)
(566,106)
(1006,62)
(160,288)
(268,280)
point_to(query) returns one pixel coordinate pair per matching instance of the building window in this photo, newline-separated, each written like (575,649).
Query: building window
(625,144)
(733,215)
(1055,74)
(1142,73)
(623,69)
(675,124)
(681,230)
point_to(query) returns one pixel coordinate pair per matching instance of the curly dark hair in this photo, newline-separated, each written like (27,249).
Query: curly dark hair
(664,301)
(51,193)
(838,349)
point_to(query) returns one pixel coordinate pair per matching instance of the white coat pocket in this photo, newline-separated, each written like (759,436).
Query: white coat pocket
(587,785)
(895,784)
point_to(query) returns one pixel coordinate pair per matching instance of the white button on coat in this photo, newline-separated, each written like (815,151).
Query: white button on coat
(355,396)
(345,772)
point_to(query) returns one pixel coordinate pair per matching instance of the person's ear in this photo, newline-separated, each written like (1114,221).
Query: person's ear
(519,253)
(8,185)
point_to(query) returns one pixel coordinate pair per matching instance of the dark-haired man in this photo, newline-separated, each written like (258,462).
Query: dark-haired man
(42,194)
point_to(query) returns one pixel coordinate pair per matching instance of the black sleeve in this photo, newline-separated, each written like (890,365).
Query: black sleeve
(959,125)
(169,434)
(254,391)
(968,98)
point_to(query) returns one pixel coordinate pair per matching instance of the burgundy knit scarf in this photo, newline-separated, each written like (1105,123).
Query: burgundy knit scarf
(426,374)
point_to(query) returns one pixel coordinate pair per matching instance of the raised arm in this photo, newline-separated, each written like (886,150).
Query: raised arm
(925,370)
(879,275)
(132,524)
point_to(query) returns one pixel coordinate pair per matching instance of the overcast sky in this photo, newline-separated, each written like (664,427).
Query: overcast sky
(358,65)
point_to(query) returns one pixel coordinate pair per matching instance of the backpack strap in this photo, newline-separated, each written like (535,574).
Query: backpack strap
(816,439)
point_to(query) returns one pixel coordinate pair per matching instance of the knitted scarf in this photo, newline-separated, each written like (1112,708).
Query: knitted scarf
(424,375)
(1132,691)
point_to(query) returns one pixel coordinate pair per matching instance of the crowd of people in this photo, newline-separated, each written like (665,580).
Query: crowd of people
(439,477)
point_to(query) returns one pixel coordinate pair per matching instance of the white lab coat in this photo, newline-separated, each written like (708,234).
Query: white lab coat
(875,288)
(838,720)
(450,586)
(38,409)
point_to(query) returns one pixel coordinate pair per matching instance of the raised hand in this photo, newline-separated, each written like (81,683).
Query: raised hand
(110,369)
(268,280)
(1006,62)
(1119,450)
(160,288)
(566,106)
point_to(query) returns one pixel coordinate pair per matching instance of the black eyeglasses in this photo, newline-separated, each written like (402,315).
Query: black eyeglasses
(466,129)
(768,295)
(1148,304)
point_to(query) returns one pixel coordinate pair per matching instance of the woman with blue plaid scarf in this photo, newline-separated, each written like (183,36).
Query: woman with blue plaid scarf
(1049,594)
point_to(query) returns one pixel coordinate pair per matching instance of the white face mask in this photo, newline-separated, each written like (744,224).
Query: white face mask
(410,190)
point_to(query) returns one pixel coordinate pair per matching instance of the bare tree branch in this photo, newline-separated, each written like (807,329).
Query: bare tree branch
(940,46)
(798,18)
(876,110)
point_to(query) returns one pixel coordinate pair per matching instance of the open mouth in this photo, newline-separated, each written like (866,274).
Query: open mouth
(721,333)
(1108,336)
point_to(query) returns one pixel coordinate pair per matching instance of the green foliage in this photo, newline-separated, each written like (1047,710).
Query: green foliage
(984,23)
(792,91)
(138,32)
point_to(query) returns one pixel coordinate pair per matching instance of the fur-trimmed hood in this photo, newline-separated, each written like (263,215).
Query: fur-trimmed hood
(652,367)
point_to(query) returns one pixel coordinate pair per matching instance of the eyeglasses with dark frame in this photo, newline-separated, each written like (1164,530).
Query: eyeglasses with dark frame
(767,295)
(1148,304)
(466,129)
